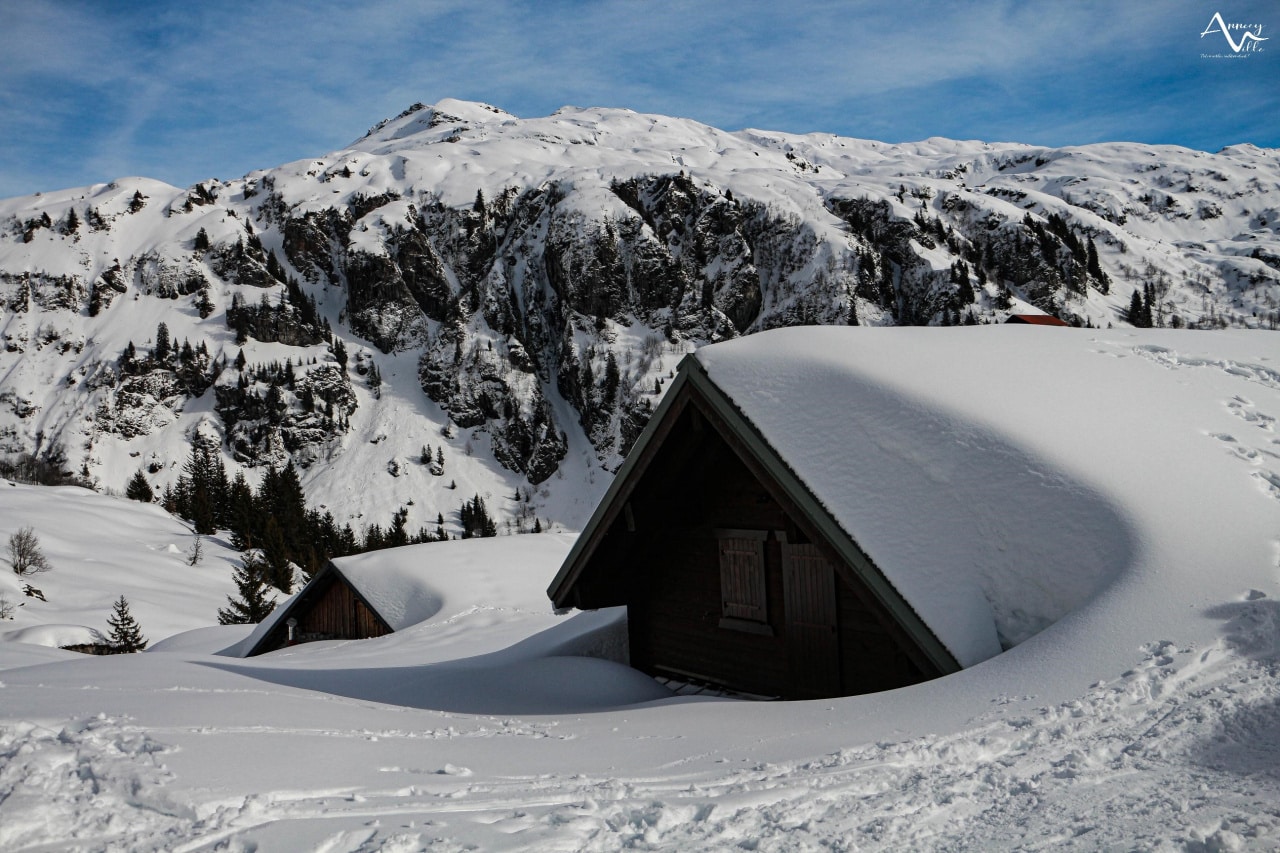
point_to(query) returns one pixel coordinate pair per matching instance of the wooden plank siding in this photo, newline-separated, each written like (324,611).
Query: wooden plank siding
(674,622)
(328,608)
(338,614)
(813,642)
(871,656)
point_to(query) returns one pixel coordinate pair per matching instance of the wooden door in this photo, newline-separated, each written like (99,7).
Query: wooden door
(813,643)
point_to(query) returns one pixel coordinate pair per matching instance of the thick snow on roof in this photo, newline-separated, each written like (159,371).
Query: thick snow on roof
(409,585)
(1015,469)
(439,580)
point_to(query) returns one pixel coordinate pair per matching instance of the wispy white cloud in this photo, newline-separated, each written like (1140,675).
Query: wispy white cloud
(92,91)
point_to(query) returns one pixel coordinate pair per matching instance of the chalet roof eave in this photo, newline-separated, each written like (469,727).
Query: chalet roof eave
(840,539)
(610,505)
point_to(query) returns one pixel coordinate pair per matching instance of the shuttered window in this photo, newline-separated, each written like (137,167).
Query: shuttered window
(742,575)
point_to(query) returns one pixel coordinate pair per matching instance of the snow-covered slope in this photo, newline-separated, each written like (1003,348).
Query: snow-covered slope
(532,282)
(1145,718)
(100,548)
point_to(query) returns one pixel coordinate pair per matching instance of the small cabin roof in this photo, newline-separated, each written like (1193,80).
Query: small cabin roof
(1037,320)
(406,586)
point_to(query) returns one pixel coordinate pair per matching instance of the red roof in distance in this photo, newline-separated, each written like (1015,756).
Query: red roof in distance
(1036,320)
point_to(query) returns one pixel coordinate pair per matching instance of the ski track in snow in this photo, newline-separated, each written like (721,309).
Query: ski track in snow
(1182,752)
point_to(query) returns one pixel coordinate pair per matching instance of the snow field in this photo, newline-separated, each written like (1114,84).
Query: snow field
(1147,717)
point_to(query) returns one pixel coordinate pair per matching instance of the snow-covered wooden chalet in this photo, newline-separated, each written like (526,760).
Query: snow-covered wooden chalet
(354,601)
(790,525)
(382,592)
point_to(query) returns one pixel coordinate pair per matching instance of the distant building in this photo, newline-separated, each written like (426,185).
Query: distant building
(1036,320)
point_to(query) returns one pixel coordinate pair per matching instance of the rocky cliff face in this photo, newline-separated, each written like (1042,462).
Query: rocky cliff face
(533,282)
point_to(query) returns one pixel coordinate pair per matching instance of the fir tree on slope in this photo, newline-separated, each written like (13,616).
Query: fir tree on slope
(253,605)
(139,489)
(126,634)
(476,521)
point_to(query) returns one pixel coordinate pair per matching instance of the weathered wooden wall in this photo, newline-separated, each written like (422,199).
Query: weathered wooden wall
(337,614)
(329,609)
(662,558)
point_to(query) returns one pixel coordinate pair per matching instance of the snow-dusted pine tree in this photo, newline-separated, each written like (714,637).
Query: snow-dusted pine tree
(126,634)
(253,605)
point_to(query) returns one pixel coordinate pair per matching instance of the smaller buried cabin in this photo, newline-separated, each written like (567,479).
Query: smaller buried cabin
(343,604)
(1036,320)
(734,573)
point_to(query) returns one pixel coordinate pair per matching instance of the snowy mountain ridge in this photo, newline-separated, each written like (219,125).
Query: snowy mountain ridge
(512,294)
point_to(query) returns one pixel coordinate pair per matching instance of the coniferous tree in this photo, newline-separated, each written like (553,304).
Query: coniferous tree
(161,351)
(275,554)
(202,241)
(476,521)
(396,533)
(201,487)
(1094,268)
(126,634)
(1139,313)
(204,304)
(373,538)
(253,605)
(242,517)
(609,389)
(139,489)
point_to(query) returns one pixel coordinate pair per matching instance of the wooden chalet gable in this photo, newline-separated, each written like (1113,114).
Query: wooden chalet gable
(329,607)
(732,570)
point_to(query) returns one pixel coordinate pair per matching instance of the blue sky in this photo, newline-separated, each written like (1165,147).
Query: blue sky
(91,91)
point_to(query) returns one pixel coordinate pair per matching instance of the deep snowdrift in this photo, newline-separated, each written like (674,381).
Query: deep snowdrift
(1145,717)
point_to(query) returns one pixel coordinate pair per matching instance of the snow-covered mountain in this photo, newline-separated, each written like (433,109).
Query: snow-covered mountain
(511,294)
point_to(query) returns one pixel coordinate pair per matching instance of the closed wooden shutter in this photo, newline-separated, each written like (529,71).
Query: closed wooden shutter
(742,578)
(813,643)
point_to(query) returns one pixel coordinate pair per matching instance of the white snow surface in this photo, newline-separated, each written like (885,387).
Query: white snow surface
(1147,716)
(416,583)
(101,548)
(925,469)
(408,586)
